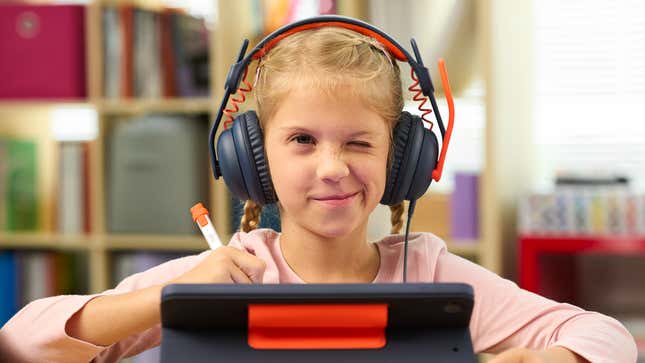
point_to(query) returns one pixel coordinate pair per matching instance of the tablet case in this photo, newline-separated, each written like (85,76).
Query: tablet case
(212,322)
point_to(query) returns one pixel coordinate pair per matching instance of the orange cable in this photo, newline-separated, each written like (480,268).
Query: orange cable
(419,97)
(235,101)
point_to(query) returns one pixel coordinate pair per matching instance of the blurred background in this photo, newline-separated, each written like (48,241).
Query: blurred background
(105,107)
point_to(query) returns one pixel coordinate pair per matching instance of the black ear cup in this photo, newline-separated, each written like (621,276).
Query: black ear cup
(414,157)
(242,160)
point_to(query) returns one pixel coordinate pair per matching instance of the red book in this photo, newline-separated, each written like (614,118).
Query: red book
(42,51)
(167,55)
(127,82)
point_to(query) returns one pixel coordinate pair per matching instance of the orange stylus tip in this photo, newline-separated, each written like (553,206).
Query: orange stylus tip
(197,211)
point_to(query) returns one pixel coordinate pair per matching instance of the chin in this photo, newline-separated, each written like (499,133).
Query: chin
(335,229)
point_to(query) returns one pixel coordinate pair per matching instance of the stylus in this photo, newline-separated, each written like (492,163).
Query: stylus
(200,216)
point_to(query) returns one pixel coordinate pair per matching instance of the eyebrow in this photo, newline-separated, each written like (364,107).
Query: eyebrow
(305,130)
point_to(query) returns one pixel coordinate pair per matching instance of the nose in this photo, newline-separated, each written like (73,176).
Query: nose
(332,167)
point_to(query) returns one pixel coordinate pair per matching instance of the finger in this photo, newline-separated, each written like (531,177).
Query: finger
(251,265)
(238,276)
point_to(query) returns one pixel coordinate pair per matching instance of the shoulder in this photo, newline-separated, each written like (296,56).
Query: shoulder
(257,238)
(424,253)
(416,241)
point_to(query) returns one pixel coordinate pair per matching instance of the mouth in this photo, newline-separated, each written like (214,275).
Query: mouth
(337,200)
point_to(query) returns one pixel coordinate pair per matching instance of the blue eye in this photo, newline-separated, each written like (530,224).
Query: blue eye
(303,139)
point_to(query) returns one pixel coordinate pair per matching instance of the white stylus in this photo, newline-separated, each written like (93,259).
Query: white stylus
(200,216)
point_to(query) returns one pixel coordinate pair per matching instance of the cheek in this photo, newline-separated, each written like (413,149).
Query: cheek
(285,177)
(372,173)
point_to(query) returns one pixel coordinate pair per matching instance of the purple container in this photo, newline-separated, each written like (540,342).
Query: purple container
(464,207)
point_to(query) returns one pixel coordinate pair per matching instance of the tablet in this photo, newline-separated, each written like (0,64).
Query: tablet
(411,322)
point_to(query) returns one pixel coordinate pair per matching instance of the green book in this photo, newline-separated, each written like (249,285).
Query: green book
(21,199)
(3,184)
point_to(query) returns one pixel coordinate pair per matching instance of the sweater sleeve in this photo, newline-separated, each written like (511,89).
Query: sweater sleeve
(505,316)
(37,333)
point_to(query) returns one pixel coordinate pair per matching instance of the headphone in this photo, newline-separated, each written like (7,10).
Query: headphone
(415,158)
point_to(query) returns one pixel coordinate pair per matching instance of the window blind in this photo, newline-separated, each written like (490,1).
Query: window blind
(590,85)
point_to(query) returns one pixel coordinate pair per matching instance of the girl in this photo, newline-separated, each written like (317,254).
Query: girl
(328,100)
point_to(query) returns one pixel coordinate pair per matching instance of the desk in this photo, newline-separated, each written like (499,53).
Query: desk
(559,280)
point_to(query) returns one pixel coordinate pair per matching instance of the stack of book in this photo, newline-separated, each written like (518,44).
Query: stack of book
(591,206)
(154,54)
(29,275)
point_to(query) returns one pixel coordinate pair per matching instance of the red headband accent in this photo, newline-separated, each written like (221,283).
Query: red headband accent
(391,48)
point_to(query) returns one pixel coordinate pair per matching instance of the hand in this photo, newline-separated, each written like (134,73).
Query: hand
(523,355)
(225,265)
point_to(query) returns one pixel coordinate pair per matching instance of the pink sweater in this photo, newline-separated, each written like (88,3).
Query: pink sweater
(504,316)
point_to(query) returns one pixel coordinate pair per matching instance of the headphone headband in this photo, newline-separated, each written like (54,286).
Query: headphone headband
(331,20)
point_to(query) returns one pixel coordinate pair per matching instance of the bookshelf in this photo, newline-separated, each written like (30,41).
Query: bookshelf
(232,25)
(29,119)
(125,107)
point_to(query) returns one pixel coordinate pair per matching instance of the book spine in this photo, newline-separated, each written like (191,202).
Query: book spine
(4,162)
(21,197)
(8,281)
(70,204)
(465,207)
(127,62)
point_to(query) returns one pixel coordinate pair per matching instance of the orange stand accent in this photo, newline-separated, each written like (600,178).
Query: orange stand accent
(317,326)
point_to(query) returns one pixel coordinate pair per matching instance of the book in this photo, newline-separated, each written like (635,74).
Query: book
(157,170)
(146,54)
(191,49)
(43,51)
(464,207)
(35,276)
(127,61)
(4,162)
(20,184)
(113,38)
(169,83)
(8,281)
(72,185)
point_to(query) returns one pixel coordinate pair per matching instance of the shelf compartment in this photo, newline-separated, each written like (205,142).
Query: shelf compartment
(156,242)
(137,106)
(47,241)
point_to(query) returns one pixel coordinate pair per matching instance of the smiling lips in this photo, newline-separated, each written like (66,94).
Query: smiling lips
(337,200)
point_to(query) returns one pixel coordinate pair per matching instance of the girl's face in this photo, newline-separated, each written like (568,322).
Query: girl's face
(328,161)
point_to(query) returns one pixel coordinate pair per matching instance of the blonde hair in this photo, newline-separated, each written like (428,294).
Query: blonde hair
(338,62)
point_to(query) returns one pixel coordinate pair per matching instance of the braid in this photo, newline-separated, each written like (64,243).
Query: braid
(251,217)
(397,218)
